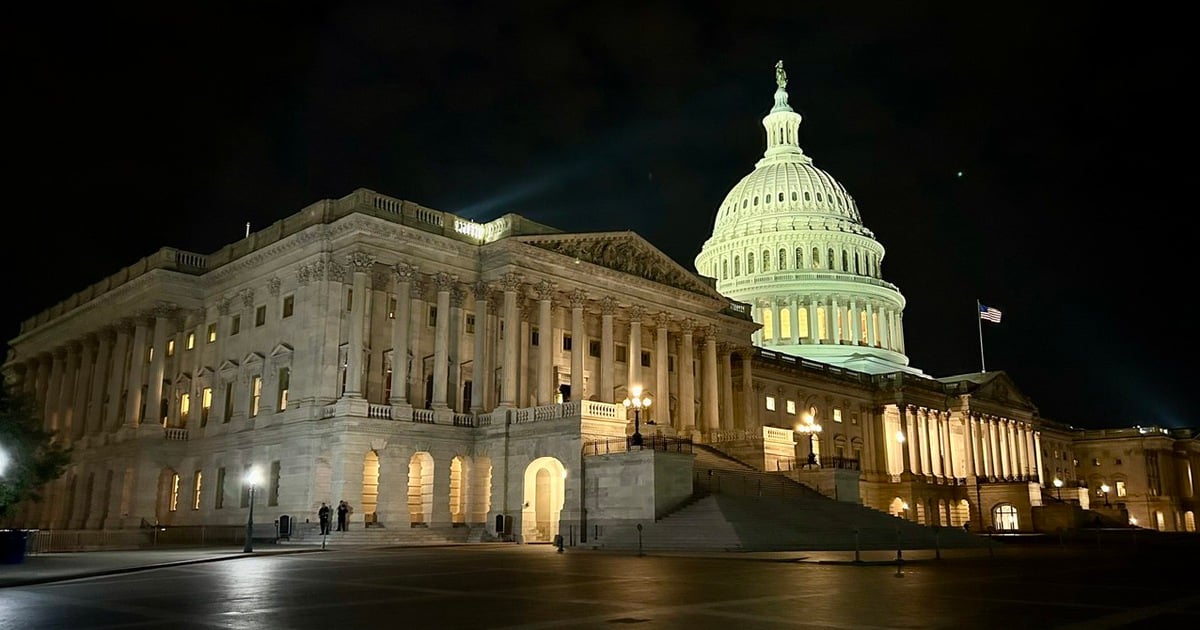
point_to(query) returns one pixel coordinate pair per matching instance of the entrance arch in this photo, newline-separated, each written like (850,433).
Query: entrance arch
(897,508)
(370,488)
(420,489)
(545,492)
(459,490)
(1004,516)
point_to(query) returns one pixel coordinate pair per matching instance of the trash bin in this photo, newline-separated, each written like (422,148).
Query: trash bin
(12,546)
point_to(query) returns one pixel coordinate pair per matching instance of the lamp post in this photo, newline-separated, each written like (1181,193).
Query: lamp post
(1058,484)
(252,479)
(809,425)
(638,402)
(1104,488)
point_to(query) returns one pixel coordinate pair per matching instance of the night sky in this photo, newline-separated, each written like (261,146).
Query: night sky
(1025,155)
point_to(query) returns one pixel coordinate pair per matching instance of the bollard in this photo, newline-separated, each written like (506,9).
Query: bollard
(857,557)
(558,542)
(899,556)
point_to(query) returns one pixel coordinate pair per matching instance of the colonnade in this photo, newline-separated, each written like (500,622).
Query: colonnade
(828,320)
(993,448)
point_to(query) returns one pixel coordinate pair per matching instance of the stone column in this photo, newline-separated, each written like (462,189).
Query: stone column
(814,328)
(855,323)
(994,441)
(100,378)
(545,358)
(871,328)
(948,468)
(579,344)
(794,314)
(906,448)
(359,263)
(726,380)
(458,296)
(1037,447)
(509,283)
(835,320)
(116,381)
(687,384)
(50,403)
(66,393)
(662,375)
(777,331)
(608,308)
(479,375)
(711,413)
(43,379)
(444,283)
(158,364)
(415,375)
(400,326)
(747,354)
(969,443)
(633,376)
(83,387)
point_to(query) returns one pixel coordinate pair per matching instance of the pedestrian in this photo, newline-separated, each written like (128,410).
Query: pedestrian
(343,511)
(323,515)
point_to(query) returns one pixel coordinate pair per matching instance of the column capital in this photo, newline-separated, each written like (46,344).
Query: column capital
(247,296)
(359,262)
(636,312)
(420,284)
(662,319)
(273,285)
(608,305)
(510,282)
(404,271)
(710,332)
(167,310)
(578,298)
(544,290)
(481,290)
(458,294)
(123,325)
(303,274)
(687,326)
(444,282)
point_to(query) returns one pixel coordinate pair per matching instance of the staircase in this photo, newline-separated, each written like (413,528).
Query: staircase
(358,536)
(740,508)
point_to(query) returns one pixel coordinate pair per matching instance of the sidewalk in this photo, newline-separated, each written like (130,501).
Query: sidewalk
(53,567)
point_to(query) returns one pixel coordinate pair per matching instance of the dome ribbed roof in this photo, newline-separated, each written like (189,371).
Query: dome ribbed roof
(786,188)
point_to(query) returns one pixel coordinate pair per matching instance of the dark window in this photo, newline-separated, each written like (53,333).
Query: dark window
(594,348)
(289,304)
(219,499)
(622,354)
(235,325)
(645,359)
(260,316)
(534,338)
(273,485)
(566,344)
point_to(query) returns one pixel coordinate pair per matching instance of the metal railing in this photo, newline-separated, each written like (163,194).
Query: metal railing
(649,443)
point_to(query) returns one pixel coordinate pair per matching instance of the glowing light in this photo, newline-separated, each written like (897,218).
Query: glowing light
(900,437)
(1058,483)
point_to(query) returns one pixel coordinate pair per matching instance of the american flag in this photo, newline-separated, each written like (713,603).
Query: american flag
(990,314)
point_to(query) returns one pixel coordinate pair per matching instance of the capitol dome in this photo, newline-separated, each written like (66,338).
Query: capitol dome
(789,240)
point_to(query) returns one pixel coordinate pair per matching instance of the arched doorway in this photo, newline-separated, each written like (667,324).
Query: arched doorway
(898,508)
(1004,516)
(420,489)
(545,491)
(1189,521)
(459,490)
(370,488)
(962,512)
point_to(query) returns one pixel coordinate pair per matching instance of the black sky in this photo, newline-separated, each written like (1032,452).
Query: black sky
(132,130)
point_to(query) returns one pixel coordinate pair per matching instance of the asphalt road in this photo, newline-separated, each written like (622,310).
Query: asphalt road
(533,586)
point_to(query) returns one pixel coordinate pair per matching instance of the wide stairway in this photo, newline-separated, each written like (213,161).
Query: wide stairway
(739,508)
(357,535)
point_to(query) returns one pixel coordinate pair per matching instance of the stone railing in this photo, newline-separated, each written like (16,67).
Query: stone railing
(714,436)
(594,409)
(175,433)
(383,412)
(464,420)
(423,416)
(328,411)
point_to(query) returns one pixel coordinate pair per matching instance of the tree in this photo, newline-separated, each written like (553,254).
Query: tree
(34,456)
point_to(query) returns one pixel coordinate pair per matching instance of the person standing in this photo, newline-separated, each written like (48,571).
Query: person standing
(343,511)
(323,516)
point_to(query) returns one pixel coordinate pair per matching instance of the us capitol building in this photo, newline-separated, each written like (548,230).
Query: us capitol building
(445,374)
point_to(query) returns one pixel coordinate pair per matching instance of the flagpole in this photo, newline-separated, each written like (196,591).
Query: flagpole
(979,320)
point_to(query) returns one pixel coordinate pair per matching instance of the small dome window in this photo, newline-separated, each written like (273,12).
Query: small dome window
(767,199)
(793,195)
(756,200)
(818,196)
(807,197)
(780,197)
(745,202)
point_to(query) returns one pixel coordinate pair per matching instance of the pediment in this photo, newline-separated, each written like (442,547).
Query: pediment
(204,372)
(993,386)
(227,364)
(627,253)
(281,350)
(183,379)
(252,359)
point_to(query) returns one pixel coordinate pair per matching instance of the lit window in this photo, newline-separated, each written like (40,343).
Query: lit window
(770,403)
(150,354)
(196,481)
(170,347)
(260,316)
(1120,488)
(212,333)
(205,405)
(174,492)
(255,394)
(391,308)
(837,415)
(289,305)
(185,405)
(285,377)
(791,407)
(191,340)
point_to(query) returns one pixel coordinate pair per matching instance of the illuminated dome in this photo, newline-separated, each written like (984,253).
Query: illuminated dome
(788,239)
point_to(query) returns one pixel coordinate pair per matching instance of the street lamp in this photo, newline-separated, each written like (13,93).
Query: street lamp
(808,425)
(638,402)
(1104,488)
(252,479)
(1058,487)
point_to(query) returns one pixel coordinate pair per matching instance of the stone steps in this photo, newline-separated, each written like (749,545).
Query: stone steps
(309,534)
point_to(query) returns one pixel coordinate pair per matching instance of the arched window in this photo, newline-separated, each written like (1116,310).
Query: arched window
(857,267)
(768,329)
(785,324)
(780,197)
(802,326)
(845,260)
(807,197)
(822,327)
(782,259)
(799,258)
(766,260)
(829,259)
(793,195)
(750,262)
(1005,518)
(816,258)
(737,266)
(725,269)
